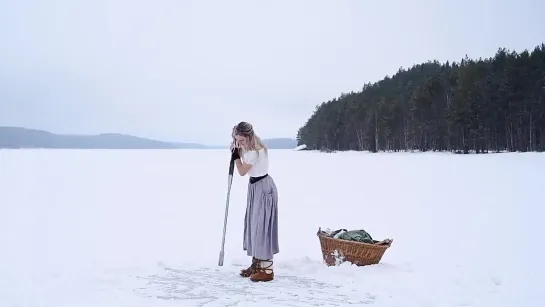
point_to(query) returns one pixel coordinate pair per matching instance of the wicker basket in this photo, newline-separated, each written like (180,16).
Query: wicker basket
(337,251)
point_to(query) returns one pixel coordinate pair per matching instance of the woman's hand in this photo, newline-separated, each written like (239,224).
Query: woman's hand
(234,143)
(235,154)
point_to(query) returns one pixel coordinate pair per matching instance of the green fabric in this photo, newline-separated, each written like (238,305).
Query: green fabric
(356,235)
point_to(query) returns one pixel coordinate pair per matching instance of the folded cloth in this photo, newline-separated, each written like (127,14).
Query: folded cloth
(358,235)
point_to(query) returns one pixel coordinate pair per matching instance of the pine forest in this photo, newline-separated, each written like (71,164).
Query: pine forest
(474,106)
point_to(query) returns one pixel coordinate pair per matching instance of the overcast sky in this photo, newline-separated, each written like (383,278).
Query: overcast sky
(181,70)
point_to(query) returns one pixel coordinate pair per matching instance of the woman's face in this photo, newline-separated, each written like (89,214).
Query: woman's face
(241,140)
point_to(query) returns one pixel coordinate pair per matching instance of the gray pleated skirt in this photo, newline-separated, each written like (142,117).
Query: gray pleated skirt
(261,220)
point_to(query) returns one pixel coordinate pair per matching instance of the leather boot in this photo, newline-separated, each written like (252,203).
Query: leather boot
(264,271)
(251,269)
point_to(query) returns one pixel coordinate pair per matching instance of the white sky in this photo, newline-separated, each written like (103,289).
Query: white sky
(181,70)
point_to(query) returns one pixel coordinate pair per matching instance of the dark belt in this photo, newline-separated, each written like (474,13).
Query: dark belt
(256,179)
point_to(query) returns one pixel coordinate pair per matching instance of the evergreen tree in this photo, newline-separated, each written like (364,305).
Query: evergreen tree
(495,104)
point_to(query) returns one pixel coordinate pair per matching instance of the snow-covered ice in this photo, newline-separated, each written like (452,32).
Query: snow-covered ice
(143,228)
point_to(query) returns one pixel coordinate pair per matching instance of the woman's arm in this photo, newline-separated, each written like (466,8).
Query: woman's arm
(242,168)
(249,159)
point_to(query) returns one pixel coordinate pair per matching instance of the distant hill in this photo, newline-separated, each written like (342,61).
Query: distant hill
(198,146)
(280,143)
(17,137)
(272,143)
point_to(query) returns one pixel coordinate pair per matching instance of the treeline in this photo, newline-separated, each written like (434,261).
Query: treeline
(495,104)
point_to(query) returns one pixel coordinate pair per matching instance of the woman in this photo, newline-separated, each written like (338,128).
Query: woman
(261,220)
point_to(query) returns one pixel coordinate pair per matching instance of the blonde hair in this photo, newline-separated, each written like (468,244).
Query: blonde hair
(254,141)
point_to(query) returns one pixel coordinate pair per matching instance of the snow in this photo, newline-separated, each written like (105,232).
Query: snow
(143,228)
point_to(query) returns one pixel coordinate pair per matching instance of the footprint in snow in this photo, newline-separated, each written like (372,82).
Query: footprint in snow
(206,286)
